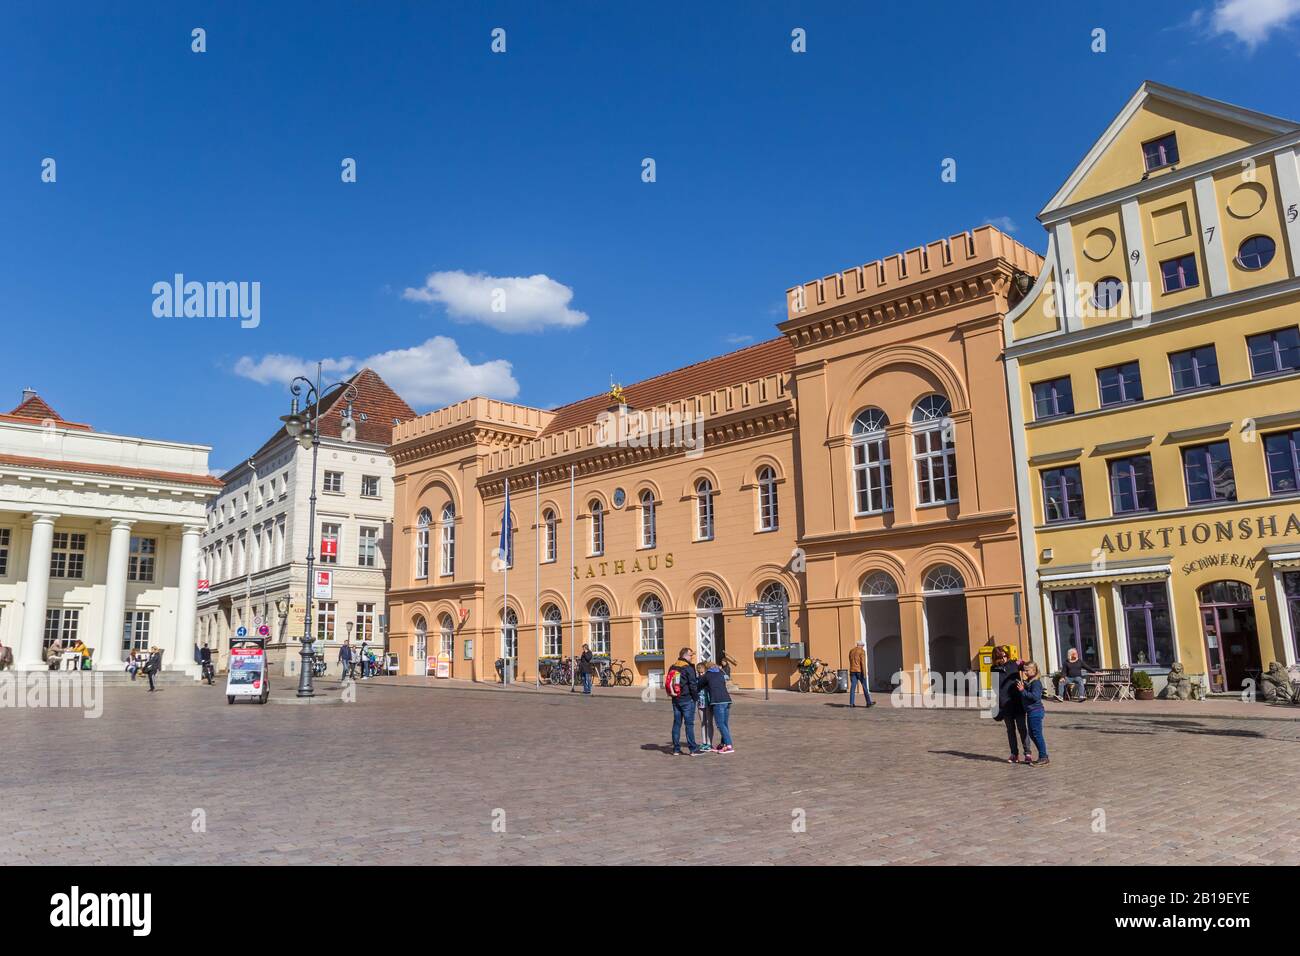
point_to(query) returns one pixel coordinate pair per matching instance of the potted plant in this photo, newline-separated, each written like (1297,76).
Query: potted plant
(1142,688)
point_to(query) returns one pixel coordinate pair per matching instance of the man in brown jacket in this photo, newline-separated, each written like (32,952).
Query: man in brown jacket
(858,674)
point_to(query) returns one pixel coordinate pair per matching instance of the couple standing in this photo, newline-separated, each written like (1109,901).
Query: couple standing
(689,687)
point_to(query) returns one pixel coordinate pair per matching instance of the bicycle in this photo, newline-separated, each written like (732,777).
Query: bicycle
(620,676)
(816,677)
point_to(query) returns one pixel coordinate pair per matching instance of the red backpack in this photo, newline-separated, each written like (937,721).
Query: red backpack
(673,682)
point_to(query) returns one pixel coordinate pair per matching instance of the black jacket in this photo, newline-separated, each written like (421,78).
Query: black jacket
(690,681)
(1072,668)
(584,663)
(1009,704)
(205,655)
(714,683)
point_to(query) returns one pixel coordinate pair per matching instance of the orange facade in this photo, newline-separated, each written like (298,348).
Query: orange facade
(859,468)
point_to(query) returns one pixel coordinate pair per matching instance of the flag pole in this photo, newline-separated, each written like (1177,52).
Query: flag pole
(573,560)
(505,582)
(537,573)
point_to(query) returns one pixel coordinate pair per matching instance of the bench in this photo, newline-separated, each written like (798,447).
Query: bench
(1111,683)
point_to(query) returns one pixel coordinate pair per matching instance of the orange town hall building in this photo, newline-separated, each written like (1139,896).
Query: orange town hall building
(858,469)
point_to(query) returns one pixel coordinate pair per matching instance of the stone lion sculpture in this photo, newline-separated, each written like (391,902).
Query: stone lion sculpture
(1179,686)
(1275,684)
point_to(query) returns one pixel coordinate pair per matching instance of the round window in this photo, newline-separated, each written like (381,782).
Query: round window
(620,497)
(1107,292)
(1256,252)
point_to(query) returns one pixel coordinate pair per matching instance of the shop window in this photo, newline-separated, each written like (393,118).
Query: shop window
(1147,621)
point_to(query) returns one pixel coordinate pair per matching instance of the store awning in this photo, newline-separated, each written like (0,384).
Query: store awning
(1056,579)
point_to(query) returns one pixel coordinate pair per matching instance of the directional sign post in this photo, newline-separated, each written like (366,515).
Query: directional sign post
(768,612)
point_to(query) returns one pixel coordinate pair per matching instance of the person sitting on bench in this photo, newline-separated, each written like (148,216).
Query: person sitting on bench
(1072,672)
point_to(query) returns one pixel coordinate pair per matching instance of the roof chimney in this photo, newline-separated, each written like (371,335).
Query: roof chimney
(29,393)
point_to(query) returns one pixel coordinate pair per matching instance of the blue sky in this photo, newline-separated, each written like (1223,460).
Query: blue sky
(771,168)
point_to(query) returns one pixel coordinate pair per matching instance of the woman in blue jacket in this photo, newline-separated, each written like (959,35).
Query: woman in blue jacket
(714,682)
(1030,687)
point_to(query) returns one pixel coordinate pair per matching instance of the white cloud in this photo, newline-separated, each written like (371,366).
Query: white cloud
(736,338)
(426,375)
(1252,21)
(506,303)
(1005,223)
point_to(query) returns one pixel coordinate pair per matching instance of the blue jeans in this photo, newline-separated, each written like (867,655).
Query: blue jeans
(586,683)
(722,720)
(1077,681)
(684,713)
(1036,733)
(854,680)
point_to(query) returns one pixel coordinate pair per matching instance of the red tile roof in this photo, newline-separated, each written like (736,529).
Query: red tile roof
(35,409)
(114,471)
(743,365)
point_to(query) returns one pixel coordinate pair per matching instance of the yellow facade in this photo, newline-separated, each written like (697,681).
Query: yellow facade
(1199,562)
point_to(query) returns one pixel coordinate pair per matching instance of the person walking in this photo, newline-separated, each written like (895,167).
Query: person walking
(205,664)
(1011,710)
(858,673)
(584,668)
(1072,672)
(365,661)
(682,685)
(345,660)
(153,666)
(714,683)
(1030,687)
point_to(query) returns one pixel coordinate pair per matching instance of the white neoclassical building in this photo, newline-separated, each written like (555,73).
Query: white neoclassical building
(99,539)
(254,547)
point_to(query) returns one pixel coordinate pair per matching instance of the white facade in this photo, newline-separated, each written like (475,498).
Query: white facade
(99,540)
(254,548)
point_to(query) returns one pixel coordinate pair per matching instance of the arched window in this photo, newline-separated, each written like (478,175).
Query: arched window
(509,634)
(878,584)
(704,510)
(420,648)
(873,478)
(597,526)
(548,536)
(647,519)
(943,579)
(446,635)
(652,625)
(552,631)
(422,522)
(768,516)
(598,627)
(776,633)
(448,544)
(936,459)
(708,601)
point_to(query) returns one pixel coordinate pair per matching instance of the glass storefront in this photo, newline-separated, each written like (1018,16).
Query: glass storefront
(1147,621)
(1076,626)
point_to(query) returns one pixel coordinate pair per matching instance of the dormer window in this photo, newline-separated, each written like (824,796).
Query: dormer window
(1158,153)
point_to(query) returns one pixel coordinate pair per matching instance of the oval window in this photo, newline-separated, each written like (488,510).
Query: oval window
(1107,292)
(1256,252)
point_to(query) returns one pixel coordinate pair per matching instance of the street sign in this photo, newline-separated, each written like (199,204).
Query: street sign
(264,630)
(754,609)
(241,631)
(205,586)
(324,590)
(329,547)
(258,620)
(247,674)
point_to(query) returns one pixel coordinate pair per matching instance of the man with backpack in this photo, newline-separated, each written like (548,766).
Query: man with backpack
(682,685)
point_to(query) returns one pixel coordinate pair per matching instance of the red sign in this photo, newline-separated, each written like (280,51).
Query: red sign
(204,585)
(329,547)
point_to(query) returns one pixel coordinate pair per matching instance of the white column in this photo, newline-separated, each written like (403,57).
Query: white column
(38,592)
(187,602)
(108,654)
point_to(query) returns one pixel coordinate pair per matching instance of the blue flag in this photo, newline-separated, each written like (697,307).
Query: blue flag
(507,545)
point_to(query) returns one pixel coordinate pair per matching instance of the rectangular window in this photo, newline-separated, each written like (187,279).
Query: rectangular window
(279,540)
(872,474)
(68,559)
(1195,368)
(936,466)
(1053,398)
(61,624)
(1062,494)
(364,629)
(1282,457)
(143,560)
(370,486)
(367,547)
(1146,618)
(1179,273)
(4,551)
(1120,384)
(1076,626)
(1207,470)
(334,482)
(1131,487)
(135,631)
(325,611)
(1274,352)
(1160,152)
(329,544)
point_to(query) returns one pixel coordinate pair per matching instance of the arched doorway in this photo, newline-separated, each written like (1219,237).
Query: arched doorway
(946,635)
(1231,640)
(421,645)
(509,634)
(881,629)
(709,636)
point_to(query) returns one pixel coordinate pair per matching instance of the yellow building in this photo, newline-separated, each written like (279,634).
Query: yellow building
(1154,369)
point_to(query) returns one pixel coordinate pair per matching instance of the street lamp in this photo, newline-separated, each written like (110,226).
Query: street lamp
(304,426)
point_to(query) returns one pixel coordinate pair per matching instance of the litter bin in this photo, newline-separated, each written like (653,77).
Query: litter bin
(841,682)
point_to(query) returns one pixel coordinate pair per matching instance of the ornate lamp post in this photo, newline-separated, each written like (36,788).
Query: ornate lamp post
(305,427)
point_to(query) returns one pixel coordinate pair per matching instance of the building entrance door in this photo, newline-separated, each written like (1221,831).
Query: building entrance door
(708,626)
(1231,640)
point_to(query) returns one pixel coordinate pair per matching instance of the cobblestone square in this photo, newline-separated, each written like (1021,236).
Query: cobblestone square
(416,775)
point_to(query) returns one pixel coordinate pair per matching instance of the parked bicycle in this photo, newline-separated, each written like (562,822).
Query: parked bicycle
(816,677)
(619,675)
